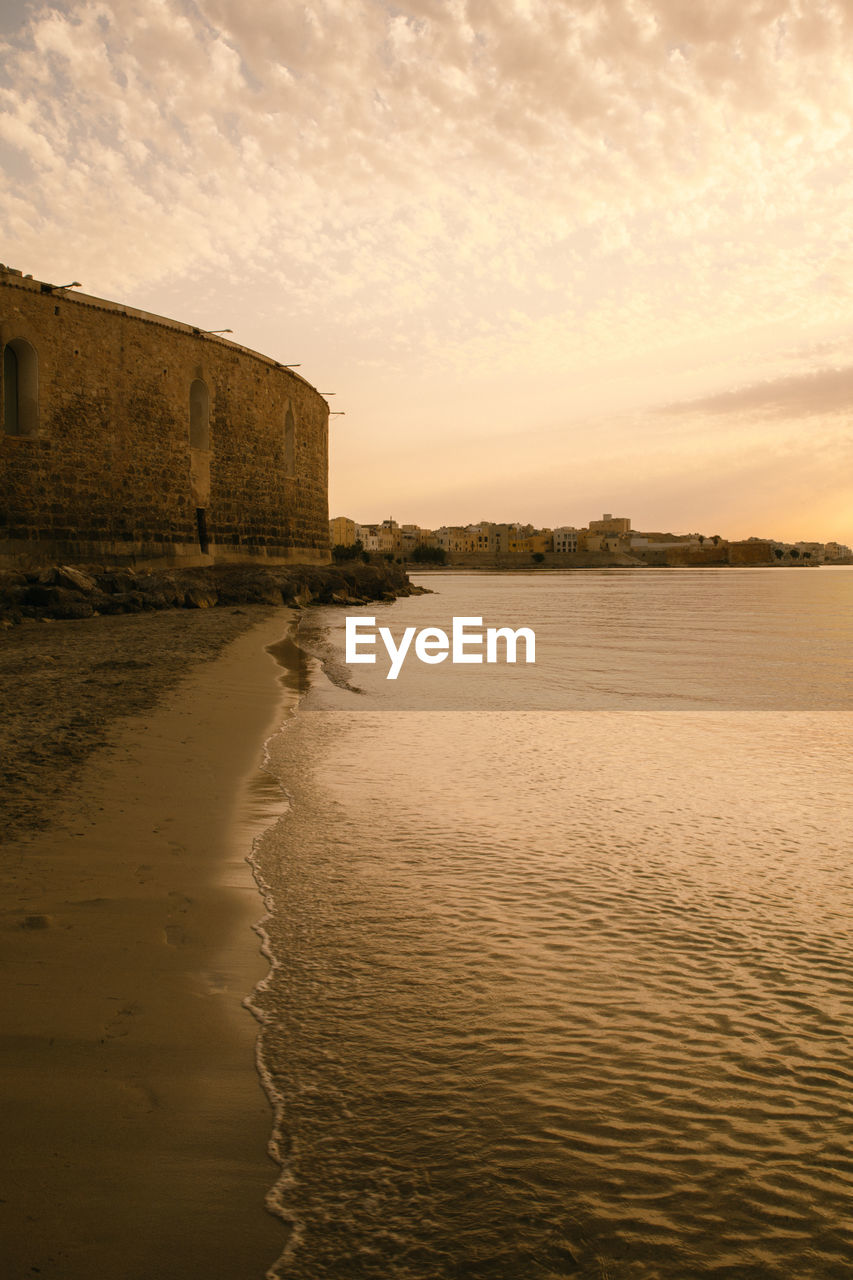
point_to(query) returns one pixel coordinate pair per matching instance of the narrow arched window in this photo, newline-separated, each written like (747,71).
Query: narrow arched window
(20,388)
(289,443)
(199,415)
(10,391)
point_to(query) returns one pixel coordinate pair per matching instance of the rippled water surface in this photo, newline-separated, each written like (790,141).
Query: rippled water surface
(567,992)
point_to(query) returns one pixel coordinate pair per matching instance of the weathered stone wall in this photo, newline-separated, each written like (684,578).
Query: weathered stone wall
(524,560)
(103,467)
(679,555)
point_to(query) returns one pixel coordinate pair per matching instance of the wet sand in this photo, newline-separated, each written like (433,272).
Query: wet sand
(135,1125)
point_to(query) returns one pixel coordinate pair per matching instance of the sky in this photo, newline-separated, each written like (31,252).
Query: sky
(554,258)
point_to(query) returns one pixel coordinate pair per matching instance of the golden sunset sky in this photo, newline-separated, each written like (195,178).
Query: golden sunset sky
(554,257)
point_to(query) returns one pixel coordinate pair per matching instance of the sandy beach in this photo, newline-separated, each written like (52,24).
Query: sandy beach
(135,1124)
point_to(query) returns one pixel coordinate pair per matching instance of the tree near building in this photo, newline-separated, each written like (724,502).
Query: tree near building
(351,552)
(428,555)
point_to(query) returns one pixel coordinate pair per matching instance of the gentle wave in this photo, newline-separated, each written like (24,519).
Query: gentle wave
(561,995)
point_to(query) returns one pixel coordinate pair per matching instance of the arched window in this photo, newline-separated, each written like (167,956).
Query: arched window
(199,415)
(289,443)
(20,388)
(10,390)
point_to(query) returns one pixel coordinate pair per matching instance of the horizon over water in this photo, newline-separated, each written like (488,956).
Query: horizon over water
(560,954)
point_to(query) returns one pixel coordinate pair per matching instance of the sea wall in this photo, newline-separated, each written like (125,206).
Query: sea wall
(522,561)
(128,437)
(682,555)
(677,555)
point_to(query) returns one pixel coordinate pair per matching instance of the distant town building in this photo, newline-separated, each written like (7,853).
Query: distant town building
(481,537)
(342,532)
(566,539)
(411,536)
(541,542)
(390,537)
(610,543)
(493,542)
(368,536)
(609,524)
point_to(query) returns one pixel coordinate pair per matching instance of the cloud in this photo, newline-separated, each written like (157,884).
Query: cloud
(821,392)
(581,202)
(647,121)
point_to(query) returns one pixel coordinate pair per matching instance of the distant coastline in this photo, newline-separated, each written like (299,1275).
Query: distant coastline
(488,564)
(610,542)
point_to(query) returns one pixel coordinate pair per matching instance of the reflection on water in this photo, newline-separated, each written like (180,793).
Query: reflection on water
(562,994)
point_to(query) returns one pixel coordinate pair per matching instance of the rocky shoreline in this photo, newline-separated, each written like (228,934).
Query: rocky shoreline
(69,591)
(70,674)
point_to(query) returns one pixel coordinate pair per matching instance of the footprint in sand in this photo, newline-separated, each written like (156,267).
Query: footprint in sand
(176,935)
(119,1024)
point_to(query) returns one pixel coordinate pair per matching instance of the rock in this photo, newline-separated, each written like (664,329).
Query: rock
(14,594)
(244,584)
(39,594)
(253,593)
(334,588)
(118,581)
(266,595)
(161,590)
(79,608)
(200,598)
(69,592)
(158,600)
(58,602)
(75,579)
(122,602)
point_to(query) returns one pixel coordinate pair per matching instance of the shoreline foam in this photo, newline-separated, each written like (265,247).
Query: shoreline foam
(295,663)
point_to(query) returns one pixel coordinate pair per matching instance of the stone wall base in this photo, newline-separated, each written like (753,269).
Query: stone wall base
(36,553)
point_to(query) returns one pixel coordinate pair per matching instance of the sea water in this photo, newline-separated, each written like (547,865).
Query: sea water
(561,961)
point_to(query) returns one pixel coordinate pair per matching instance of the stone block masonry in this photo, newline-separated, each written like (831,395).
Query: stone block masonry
(127,437)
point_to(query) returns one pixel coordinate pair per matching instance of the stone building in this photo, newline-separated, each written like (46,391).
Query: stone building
(566,539)
(342,531)
(611,526)
(129,437)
